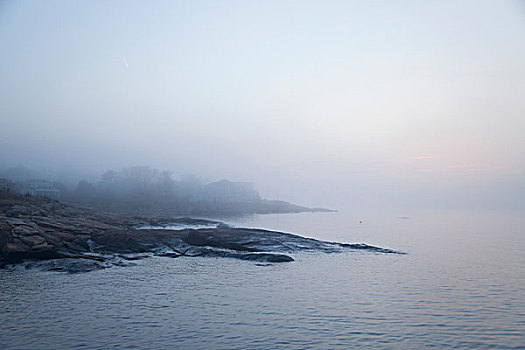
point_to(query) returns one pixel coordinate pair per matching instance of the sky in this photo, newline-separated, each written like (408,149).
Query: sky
(324,103)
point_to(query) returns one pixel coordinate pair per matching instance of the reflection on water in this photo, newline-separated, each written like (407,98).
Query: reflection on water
(460,285)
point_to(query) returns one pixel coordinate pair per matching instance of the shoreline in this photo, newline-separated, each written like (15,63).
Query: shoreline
(83,240)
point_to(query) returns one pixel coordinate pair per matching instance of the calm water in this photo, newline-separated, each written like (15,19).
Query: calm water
(461,285)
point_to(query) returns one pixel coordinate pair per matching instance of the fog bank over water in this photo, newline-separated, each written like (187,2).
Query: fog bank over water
(328,104)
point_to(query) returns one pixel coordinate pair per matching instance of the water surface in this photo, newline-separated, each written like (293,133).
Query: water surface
(461,285)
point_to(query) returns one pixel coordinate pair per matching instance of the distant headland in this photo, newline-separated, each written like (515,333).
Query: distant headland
(145,191)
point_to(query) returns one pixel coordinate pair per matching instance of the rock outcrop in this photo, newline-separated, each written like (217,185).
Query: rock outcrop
(37,232)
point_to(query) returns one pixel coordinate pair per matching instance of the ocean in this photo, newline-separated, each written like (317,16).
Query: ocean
(461,284)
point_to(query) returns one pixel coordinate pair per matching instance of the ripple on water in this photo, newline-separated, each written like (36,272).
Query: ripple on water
(425,299)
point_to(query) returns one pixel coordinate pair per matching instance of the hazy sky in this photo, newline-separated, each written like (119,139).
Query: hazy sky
(319,102)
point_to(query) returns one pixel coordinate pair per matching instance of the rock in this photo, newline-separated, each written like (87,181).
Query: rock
(121,241)
(81,241)
(42,247)
(51,224)
(32,240)
(26,230)
(204,238)
(43,252)
(266,257)
(14,252)
(17,251)
(75,247)
(52,205)
(67,265)
(52,239)
(5,234)
(14,222)
(15,247)
(64,235)
(42,230)
(170,255)
(132,257)
(362,246)
(17,210)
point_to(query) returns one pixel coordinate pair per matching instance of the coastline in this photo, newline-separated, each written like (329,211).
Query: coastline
(33,229)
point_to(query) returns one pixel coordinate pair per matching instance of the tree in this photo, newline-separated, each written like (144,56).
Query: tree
(85,190)
(166,185)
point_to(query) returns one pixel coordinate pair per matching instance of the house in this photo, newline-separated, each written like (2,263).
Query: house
(41,189)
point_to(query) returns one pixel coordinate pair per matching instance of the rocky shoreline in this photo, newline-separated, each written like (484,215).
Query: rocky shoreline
(51,235)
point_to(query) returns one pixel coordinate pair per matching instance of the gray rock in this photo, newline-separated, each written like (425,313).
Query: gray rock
(32,240)
(18,210)
(266,257)
(26,230)
(15,247)
(67,265)
(84,240)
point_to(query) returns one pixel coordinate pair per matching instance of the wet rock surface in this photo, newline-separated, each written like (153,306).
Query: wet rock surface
(48,235)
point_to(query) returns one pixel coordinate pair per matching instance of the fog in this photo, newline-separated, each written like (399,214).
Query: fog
(333,103)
